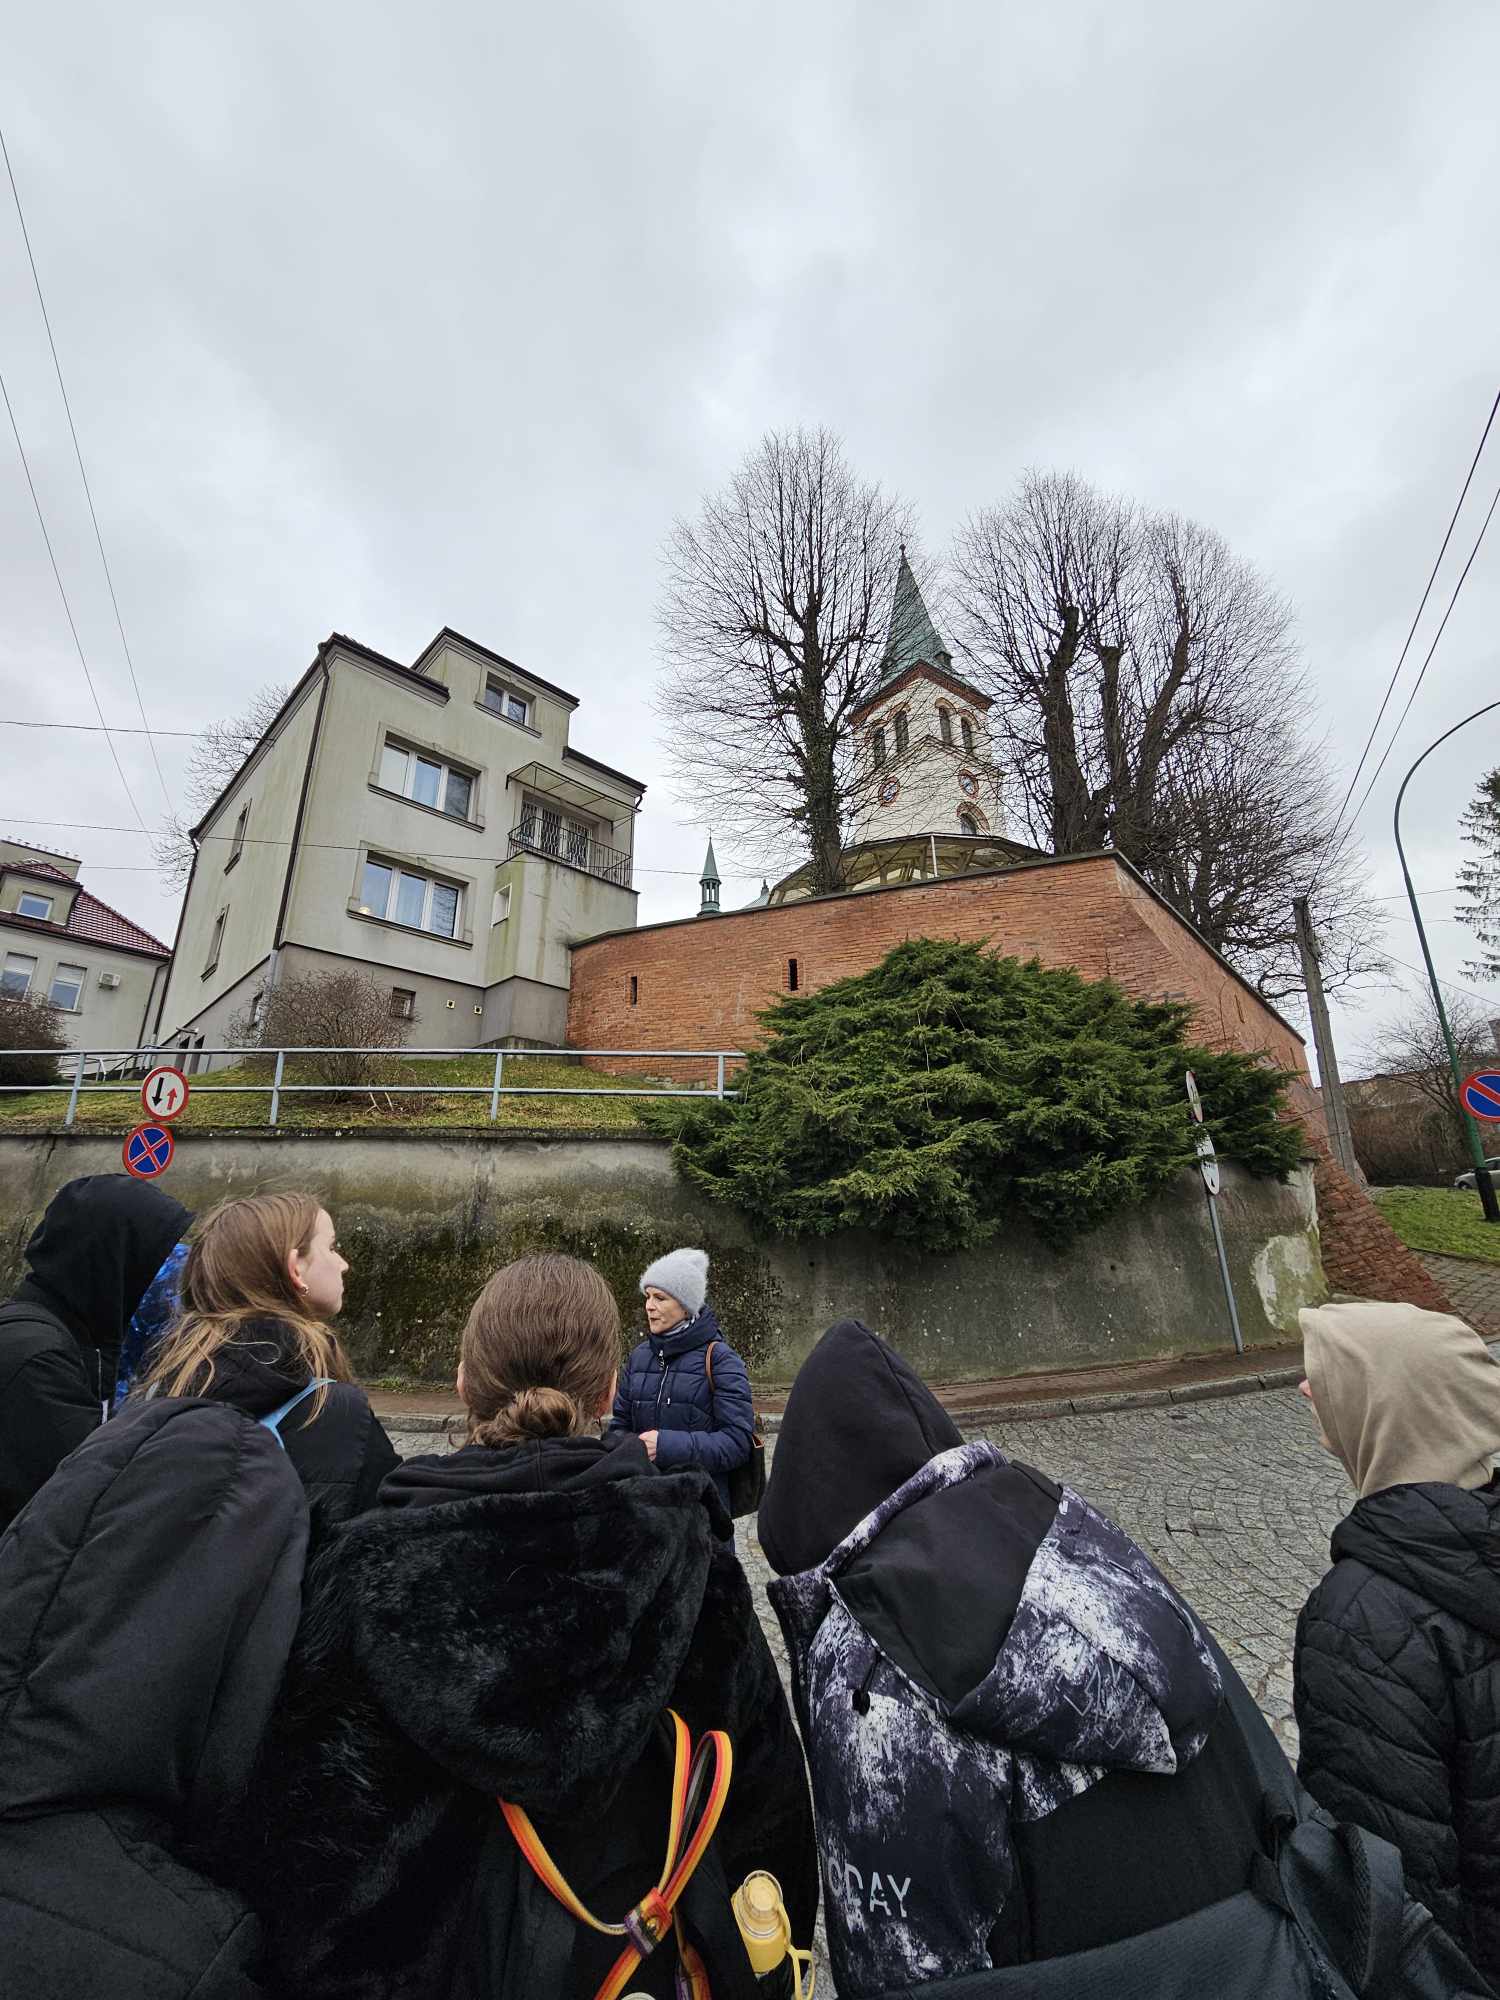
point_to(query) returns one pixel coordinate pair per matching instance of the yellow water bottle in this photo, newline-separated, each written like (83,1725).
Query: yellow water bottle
(762,1919)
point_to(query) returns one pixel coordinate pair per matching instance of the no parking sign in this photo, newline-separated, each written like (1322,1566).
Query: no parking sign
(148,1152)
(1481,1094)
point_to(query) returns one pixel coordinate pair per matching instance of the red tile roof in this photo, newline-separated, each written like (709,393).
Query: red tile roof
(89,919)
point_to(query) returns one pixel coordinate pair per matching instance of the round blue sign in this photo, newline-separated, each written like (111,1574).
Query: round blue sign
(1481,1093)
(148,1152)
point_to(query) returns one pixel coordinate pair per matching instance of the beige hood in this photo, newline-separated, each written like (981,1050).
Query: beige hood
(1403,1395)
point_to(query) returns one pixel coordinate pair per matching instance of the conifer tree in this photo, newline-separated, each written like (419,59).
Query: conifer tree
(1479,879)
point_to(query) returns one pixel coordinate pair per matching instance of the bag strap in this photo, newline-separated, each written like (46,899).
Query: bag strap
(708,1364)
(647,1924)
(272,1420)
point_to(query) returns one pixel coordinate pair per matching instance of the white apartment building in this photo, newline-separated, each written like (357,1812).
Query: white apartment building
(103,974)
(430,824)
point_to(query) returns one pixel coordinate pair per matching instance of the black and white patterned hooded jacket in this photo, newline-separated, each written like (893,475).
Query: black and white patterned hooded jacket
(976,1652)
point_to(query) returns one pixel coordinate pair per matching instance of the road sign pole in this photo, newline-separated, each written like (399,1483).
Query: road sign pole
(1234,1317)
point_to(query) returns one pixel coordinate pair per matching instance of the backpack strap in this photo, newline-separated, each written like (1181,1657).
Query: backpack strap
(700,1785)
(708,1365)
(272,1420)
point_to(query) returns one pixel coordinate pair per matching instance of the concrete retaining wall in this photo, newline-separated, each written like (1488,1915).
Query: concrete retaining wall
(425,1219)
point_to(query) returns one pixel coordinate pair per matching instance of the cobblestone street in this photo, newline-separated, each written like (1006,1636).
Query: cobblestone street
(1233,1500)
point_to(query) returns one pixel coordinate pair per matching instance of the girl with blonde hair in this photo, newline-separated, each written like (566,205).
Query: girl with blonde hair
(262,1279)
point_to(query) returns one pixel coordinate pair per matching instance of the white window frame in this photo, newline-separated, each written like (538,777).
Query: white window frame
(44,915)
(83,980)
(500,907)
(216,942)
(572,828)
(408,1011)
(446,769)
(257,1012)
(239,838)
(374,858)
(21,958)
(945,723)
(506,694)
(968,821)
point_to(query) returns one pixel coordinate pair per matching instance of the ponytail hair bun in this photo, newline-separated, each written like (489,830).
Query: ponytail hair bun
(534,1413)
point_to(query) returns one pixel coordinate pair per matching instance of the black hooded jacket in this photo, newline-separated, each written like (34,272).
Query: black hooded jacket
(341,1455)
(1398,1694)
(150,1598)
(90,1259)
(511,1624)
(965,1633)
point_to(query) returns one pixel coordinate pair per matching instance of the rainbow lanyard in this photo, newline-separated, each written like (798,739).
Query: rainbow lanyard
(648,1923)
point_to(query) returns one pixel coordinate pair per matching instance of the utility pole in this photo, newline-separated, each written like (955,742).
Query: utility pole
(1488,1200)
(1339,1135)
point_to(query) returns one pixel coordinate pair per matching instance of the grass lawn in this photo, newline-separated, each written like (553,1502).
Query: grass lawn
(211,1104)
(1447,1220)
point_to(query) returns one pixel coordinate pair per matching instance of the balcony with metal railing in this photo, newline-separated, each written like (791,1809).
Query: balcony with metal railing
(552,836)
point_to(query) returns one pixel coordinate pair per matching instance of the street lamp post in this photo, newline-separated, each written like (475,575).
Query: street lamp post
(1482,1179)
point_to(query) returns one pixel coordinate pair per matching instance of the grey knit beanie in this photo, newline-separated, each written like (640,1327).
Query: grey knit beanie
(682,1275)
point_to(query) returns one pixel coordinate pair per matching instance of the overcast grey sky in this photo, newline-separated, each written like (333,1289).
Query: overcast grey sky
(378,319)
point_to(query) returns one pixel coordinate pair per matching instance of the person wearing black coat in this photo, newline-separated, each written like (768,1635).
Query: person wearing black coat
(512,1622)
(151,1591)
(99,1289)
(685,1392)
(262,1278)
(1397,1672)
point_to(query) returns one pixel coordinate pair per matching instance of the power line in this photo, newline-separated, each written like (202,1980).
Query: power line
(68,609)
(1478,541)
(319,846)
(96,729)
(1432,579)
(78,454)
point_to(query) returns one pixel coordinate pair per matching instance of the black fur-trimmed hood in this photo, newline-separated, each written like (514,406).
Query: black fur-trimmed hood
(522,1616)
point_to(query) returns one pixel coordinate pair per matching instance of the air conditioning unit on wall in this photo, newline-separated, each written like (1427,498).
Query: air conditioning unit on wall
(109,981)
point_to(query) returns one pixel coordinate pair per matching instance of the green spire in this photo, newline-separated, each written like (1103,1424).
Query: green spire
(709,883)
(913,636)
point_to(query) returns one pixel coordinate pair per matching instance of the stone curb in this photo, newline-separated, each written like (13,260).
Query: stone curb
(424,1424)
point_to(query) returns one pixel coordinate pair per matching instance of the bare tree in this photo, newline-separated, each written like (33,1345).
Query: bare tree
(1149,698)
(349,1013)
(1412,1048)
(212,762)
(1479,878)
(774,620)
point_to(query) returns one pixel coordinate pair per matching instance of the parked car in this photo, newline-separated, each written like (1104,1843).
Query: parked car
(1467,1180)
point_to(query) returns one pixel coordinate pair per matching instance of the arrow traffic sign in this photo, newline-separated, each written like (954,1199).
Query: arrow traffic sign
(148,1151)
(164,1094)
(1193,1098)
(1481,1093)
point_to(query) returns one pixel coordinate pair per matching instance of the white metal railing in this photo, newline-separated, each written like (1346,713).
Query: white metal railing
(143,1060)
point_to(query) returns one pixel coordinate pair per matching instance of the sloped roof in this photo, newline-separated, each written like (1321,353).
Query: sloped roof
(913,637)
(89,920)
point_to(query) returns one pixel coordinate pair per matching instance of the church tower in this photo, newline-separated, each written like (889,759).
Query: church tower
(925,756)
(709,883)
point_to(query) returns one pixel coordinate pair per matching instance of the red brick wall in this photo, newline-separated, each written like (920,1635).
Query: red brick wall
(700,983)
(1361,1252)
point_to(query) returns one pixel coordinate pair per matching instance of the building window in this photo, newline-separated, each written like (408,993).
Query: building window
(945,724)
(218,939)
(791,975)
(635,989)
(426,781)
(403,1004)
(901,735)
(67,987)
(967,728)
(877,747)
(500,909)
(15,979)
(401,896)
(967,822)
(501,700)
(257,1009)
(239,839)
(32,905)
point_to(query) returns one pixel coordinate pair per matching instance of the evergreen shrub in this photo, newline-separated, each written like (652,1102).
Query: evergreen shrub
(947,1091)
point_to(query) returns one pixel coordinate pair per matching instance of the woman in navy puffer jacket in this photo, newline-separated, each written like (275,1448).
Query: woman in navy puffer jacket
(683,1417)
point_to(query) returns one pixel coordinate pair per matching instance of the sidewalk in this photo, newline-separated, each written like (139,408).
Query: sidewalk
(1137,1385)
